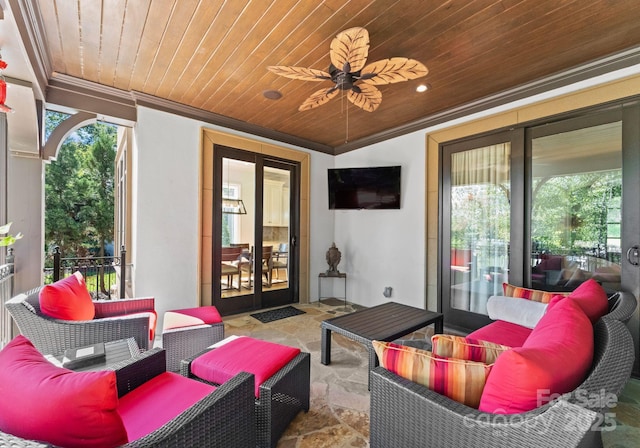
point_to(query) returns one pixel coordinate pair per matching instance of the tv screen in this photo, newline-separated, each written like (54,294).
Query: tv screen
(368,188)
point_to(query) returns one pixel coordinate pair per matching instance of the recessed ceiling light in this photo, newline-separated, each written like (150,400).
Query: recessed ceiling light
(272,94)
(423,88)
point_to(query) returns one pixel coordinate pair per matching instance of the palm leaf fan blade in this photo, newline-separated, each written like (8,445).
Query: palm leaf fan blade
(350,46)
(301,73)
(388,71)
(318,98)
(366,97)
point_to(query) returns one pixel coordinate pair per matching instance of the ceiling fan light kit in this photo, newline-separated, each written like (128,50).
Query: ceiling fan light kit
(348,52)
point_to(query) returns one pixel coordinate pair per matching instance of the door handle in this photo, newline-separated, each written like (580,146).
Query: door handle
(293,240)
(633,255)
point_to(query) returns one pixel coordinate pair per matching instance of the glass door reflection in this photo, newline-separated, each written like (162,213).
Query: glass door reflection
(479,225)
(576,208)
(276,233)
(237,229)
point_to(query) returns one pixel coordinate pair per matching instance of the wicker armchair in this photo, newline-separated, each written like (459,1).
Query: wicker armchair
(622,305)
(115,319)
(224,418)
(407,414)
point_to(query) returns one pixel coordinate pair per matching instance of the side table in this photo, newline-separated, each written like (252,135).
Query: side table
(115,352)
(342,275)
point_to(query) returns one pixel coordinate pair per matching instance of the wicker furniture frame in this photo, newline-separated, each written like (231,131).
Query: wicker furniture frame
(386,322)
(407,414)
(184,342)
(115,353)
(280,399)
(224,418)
(622,305)
(113,321)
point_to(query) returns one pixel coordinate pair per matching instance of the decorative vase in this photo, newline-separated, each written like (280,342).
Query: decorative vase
(333,258)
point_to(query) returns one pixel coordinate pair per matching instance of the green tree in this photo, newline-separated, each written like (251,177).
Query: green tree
(101,165)
(79,191)
(66,199)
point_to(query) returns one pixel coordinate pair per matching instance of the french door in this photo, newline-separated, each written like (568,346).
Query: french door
(255,224)
(545,206)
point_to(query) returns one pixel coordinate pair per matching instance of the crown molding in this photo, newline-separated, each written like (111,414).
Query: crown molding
(154,102)
(31,28)
(114,105)
(576,74)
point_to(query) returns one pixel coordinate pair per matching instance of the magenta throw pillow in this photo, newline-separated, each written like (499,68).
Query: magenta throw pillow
(590,296)
(67,299)
(47,403)
(554,359)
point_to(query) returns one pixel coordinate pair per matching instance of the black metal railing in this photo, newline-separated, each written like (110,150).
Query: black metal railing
(101,273)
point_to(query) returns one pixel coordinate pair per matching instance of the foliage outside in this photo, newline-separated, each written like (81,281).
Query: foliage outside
(575,214)
(79,192)
(8,240)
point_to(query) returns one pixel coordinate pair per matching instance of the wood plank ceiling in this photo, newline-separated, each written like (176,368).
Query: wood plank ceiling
(213,55)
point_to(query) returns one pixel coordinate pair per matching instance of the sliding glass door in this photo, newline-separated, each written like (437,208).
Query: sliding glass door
(545,206)
(254,230)
(576,204)
(477,195)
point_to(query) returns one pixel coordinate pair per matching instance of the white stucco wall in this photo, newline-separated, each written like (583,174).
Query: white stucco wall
(25,208)
(165,252)
(386,247)
(322,225)
(166,195)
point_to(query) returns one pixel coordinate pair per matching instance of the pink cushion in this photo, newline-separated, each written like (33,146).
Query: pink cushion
(591,297)
(243,354)
(158,401)
(503,333)
(43,402)
(191,316)
(554,359)
(67,299)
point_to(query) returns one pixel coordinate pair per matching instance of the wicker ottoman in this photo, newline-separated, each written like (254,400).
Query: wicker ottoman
(281,373)
(189,331)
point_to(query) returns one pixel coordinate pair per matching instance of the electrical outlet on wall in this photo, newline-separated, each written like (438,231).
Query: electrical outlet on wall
(387,291)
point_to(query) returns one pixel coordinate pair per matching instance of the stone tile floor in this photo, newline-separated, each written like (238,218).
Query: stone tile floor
(339,412)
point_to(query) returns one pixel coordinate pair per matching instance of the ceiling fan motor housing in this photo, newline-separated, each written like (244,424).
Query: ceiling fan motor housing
(343,80)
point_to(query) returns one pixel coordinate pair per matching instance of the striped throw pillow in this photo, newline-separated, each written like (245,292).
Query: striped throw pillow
(460,380)
(467,349)
(530,294)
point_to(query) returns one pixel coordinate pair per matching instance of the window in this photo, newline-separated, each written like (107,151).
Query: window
(230,222)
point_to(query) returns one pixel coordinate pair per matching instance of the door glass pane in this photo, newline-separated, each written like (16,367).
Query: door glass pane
(238,216)
(575,213)
(277,191)
(480,225)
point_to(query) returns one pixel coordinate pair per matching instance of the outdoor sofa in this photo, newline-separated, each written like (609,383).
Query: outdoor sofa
(405,413)
(146,396)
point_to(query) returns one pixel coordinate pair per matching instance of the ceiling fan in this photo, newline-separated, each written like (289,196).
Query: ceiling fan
(348,52)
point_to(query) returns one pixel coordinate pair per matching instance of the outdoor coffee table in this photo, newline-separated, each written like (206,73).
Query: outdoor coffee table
(386,322)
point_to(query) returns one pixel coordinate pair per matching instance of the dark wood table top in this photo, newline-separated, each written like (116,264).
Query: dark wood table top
(384,322)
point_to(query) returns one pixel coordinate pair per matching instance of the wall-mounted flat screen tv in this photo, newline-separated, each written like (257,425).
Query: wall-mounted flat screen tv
(364,188)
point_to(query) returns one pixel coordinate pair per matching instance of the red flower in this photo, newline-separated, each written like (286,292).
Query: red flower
(3,64)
